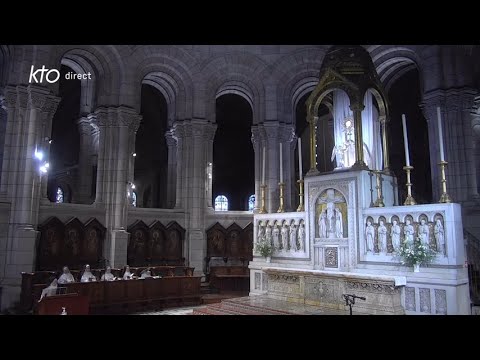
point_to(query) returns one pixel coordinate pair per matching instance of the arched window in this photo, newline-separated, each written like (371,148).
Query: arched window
(59,197)
(134,198)
(251,202)
(221,203)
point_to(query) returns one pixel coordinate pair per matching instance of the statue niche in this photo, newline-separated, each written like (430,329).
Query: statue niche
(331,215)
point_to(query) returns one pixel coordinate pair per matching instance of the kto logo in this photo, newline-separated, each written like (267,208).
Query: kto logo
(51,75)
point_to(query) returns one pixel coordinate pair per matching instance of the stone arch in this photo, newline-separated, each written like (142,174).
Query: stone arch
(238,72)
(170,76)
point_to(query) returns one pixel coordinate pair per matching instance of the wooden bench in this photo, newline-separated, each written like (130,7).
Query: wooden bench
(74,304)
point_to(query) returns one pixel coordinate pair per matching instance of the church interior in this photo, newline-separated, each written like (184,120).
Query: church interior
(240,179)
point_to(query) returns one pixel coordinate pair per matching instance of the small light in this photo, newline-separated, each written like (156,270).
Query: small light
(134,154)
(50,141)
(39,155)
(133,186)
(43,169)
(348,123)
(47,165)
(128,193)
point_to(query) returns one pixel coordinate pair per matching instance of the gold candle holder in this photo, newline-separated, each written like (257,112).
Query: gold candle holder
(409,200)
(263,191)
(301,206)
(444,198)
(281,208)
(379,202)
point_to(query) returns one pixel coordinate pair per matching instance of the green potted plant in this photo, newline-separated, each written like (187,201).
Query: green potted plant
(415,254)
(264,248)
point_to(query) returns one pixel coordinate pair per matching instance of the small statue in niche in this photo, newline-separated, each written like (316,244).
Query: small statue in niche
(301,236)
(424,232)
(276,237)
(382,237)
(269,235)
(408,231)
(395,234)
(439,234)
(293,237)
(261,232)
(369,235)
(322,225)
(284,234)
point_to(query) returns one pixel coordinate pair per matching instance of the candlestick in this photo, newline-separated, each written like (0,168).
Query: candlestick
(263,191)
(300,167)
(301,207)
(281,164)
(379,201)
(444,198)
(440,134)
(409,200)
(405,140)
(281,208)
(263,166)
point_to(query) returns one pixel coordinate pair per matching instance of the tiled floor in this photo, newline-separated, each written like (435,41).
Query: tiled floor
(175,311)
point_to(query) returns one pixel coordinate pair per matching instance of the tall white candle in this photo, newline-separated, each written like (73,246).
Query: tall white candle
(440,134)
(300,169)
(281,164)
(405,140)
(263,166)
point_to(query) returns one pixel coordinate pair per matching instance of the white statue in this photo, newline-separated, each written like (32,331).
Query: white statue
(369,235)
(322,225)
(439,234)
(408,231)
(284,233)
(50,290)
(268,234)
(395,234)
(87,275)
(66,277)
(108,276)
(338,223)
(337,154)
(382,237)
(301,236)
(127,275)
(261,232)
(276,237)
(293,237)
(424,232)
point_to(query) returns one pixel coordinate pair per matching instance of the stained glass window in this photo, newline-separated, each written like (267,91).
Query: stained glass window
(221,203)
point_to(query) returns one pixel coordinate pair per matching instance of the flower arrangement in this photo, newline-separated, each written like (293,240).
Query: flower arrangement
(416,252)
(264,248)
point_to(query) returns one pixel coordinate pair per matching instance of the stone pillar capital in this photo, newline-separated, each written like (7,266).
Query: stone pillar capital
(357,107)
(121,116)
(170,139)
(37,97)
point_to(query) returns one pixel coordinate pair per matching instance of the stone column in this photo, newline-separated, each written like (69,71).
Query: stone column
(210,130)
(83,194)
(117,126)
(357,121)
(313,146)
(288,139)
(258,144)
(28,109)
(178,134)
(476,132)
(455,105)
(172,168)
(272,177)
(3,128)
(385,152)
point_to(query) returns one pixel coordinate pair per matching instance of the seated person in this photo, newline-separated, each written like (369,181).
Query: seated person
(146,274)
(127,275)
(66,277)
(50,290)
(87,275)
(108,276)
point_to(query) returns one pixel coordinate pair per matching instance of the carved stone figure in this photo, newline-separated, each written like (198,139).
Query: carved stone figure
(424,232)
(395,234)
(261,232)
(369,236)
(301,236)
(293,237)
(284,234)
(408,231)
(382,237)
(439,233)
(268,234)
(322,225)
(276,237)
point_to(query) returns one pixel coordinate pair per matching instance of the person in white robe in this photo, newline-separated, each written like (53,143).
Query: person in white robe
(87,275)
(127,275)
(66,277)
(108,276)
(49,290)
(146,274)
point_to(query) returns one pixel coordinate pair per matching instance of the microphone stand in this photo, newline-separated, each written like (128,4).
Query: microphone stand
(350,300)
